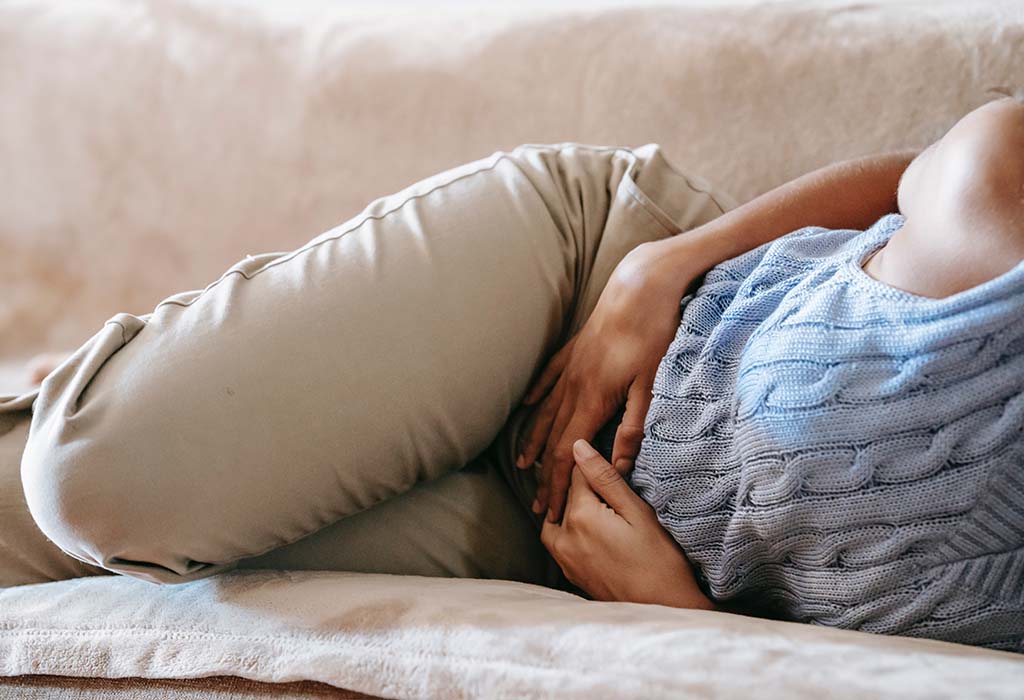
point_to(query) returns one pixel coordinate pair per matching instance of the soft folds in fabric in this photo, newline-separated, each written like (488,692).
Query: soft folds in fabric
(303,387)
(845,452)
(26,555)
(413,637)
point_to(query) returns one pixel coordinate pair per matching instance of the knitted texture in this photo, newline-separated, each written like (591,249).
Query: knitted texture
(838,451)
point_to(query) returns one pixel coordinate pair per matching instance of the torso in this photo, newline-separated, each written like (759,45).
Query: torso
(797,416)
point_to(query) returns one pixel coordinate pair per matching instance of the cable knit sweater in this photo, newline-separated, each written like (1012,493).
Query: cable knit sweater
(837,451)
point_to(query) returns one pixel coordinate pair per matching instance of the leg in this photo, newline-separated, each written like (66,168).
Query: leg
(467,523)
(26,556)
(304,387)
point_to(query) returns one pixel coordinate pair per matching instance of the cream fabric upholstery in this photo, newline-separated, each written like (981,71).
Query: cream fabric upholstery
(145,146)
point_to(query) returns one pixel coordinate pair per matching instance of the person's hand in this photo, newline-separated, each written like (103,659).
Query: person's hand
(616,549)
(612,360)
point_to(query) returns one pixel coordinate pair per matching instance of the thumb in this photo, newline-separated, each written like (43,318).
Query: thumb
(604,480)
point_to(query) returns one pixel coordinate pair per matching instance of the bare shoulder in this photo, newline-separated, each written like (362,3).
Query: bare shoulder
(961,199)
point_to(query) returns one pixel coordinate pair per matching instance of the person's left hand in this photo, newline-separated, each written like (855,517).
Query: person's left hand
(616,549)
(609,364)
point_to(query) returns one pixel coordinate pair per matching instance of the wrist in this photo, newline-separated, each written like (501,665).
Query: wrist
(676,587)
(689,598)
(679,260)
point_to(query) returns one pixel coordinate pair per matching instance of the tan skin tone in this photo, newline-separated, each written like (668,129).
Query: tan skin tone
(963,200)
(614,357)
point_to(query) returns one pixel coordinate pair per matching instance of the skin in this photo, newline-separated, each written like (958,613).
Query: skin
(612,545)
(613,359)
(963,203)
(604,520)
(963,200)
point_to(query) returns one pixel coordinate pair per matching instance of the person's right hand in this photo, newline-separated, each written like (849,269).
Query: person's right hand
(611,361)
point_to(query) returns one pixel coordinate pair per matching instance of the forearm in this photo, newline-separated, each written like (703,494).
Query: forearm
(852,194)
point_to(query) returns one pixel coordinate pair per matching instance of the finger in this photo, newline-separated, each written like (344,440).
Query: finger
(548,533)
(551,373)
(562,418)
(584,425)
(540,499)
(630,433)
(607,482)
(552,461)
(541,428)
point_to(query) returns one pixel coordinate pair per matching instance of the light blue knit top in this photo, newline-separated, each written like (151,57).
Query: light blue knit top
(833,450)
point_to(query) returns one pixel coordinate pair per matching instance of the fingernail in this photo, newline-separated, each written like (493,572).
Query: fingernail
(583,448)
(551,516)
(519,461)
(536,506)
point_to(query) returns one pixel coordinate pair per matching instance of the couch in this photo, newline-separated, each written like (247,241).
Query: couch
(146,145)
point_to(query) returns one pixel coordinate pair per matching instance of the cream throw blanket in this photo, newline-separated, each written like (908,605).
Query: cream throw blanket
(413,637)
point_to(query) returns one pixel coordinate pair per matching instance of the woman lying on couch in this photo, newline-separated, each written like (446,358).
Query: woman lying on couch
(826,429)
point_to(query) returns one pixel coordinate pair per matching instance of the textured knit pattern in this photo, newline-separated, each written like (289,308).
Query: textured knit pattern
(837,451)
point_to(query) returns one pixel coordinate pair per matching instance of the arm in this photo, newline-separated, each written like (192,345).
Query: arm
(614,357)
(851,194)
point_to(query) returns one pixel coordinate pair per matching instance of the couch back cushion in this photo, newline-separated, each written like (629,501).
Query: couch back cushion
(144,147)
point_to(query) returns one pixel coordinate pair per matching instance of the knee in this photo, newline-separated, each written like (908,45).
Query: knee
(77,467)
(82,497)
(71,501)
